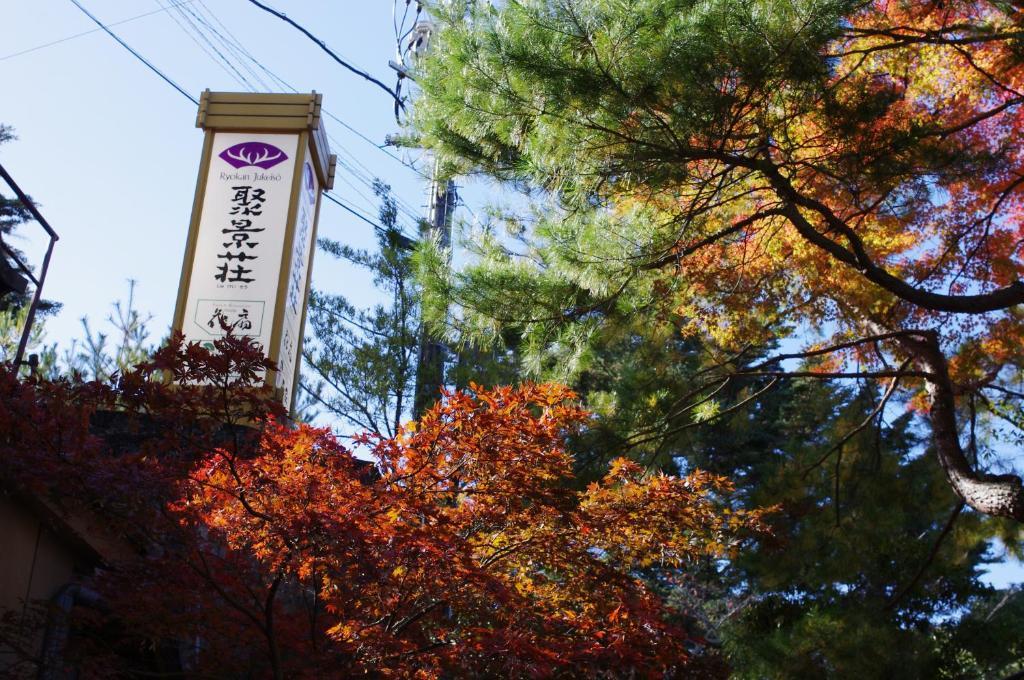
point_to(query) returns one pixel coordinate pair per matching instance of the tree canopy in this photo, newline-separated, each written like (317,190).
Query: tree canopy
(843,169)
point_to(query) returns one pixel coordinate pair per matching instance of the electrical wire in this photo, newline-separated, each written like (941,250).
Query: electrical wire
(336,201)
(138,56)
(92,30)
(235,47)
(231,73)
(366,199)
(323,46)
(203,36)
(229,47)
(239,46)
(377,146)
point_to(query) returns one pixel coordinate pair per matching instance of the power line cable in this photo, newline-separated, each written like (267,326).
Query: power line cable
(336,201)
(323,46)
(92,30)
(240,77)
(238,47)
(202,47)
(229,47)
(360,171)
(363,173)
(370,181)
(366,199)
(377,146)
(138,56)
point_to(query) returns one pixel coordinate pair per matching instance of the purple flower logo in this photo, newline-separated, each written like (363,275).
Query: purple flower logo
(258,154)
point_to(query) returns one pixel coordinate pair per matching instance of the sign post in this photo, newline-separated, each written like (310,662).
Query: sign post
(249,254)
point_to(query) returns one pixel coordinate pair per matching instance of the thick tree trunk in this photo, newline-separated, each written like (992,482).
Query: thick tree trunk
(996,495)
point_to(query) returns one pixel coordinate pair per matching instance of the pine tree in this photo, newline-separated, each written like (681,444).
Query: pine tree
(757,167)
(362,362)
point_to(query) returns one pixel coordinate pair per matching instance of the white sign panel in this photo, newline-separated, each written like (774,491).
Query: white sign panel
(302,244)
(240,241)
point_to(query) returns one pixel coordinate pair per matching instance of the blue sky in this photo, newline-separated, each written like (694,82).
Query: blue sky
(111,153)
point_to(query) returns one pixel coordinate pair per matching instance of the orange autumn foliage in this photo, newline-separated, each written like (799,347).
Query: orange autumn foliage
(904,158)
(461,551)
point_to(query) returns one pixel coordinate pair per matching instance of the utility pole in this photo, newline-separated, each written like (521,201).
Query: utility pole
(432,352)
(437,228)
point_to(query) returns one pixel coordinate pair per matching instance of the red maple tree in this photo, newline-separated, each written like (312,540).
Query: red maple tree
(258,548)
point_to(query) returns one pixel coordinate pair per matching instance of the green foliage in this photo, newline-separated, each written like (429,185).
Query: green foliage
(362,362)
(865,580)
(859,514)
(539,89)
(849,587)
(543,295)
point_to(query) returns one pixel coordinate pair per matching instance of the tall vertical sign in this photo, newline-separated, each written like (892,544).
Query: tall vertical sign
(250,244)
